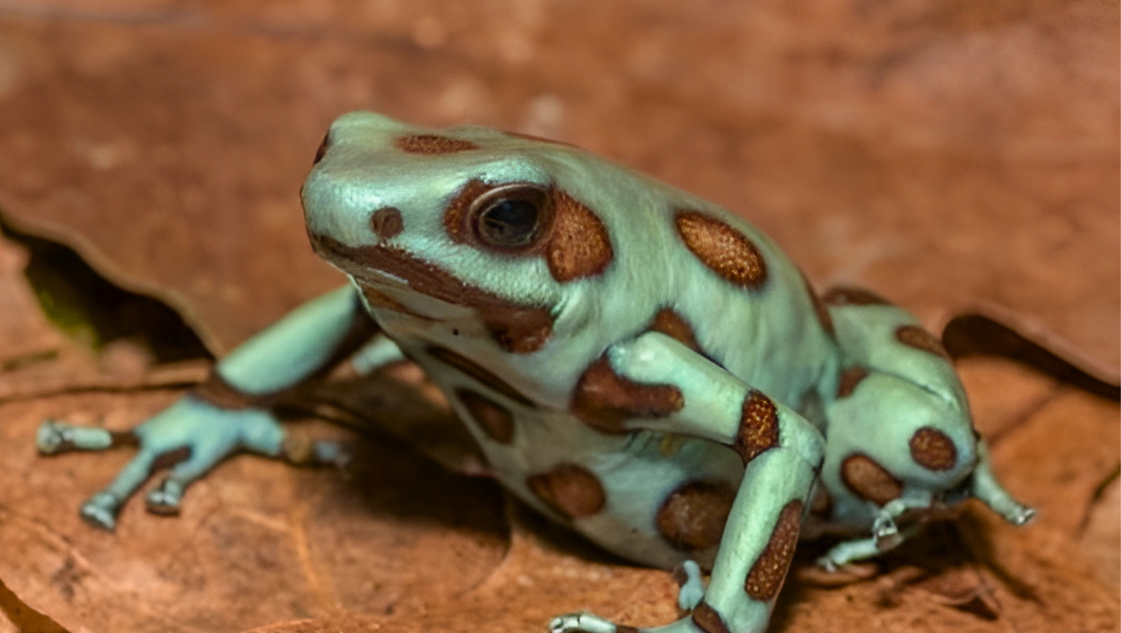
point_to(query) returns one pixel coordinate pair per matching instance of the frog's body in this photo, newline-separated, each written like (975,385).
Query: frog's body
(634,362)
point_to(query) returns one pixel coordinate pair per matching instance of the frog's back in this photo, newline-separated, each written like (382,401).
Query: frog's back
(695,271)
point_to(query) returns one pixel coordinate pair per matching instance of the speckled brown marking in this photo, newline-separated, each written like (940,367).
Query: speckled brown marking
(758,426)
(850,296)
(849,380)
(726,251)
(519,329)
(492,418)
(578,245)
(692,517)
(479,373)
(571,490)
(820,311)
(432,144)
(604,399)
(766,575)
(918,338)
(387,223)
(708,619)
(674,326)
(933,449)
(868,480)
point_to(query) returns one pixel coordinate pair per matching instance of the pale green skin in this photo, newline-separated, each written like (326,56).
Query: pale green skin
(768,340)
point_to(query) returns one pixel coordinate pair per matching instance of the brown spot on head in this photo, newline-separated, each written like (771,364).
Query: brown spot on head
(604,400)
(918,338)
(387,223)
(849,379)
(492,418)
(708,619)
(767,574)
(822,313)
(868,480)
(693,516)
(579,245)
(516,328)
(478,372)
(571,490)
(850,296)
(432,144)
(726,251)
(674,326)
(933,449)
(758,426)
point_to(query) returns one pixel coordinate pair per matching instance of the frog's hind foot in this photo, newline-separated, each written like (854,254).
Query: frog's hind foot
(986,488)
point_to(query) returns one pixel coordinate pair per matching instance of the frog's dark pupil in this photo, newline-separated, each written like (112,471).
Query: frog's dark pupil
(510,222)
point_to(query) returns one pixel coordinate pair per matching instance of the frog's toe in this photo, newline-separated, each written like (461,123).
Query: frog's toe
(164,499)
(692,585)
(581,623)
(100,511)
(55,437)
(200,459)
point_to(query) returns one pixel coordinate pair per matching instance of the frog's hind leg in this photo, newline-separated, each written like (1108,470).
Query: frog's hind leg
(985,487)
(901,438)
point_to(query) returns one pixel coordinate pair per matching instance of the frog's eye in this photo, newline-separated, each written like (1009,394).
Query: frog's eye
(513,217)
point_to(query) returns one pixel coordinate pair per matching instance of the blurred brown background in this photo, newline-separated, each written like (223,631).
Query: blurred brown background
(948,154)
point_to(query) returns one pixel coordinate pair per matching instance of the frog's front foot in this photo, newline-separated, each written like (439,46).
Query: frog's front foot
(582,623)
(190,437)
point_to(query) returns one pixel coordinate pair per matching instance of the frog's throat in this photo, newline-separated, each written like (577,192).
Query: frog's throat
(520,329)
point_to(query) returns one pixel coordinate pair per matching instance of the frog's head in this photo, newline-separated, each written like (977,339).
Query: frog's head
(443,224)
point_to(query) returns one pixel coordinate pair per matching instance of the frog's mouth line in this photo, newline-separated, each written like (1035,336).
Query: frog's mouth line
(518,328)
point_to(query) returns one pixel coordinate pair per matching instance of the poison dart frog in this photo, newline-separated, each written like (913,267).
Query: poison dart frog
(635,363)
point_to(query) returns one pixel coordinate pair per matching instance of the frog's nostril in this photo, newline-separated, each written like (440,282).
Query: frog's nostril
(387,223)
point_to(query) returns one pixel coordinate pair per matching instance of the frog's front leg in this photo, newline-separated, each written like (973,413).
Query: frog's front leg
(781,451)
(231,411)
